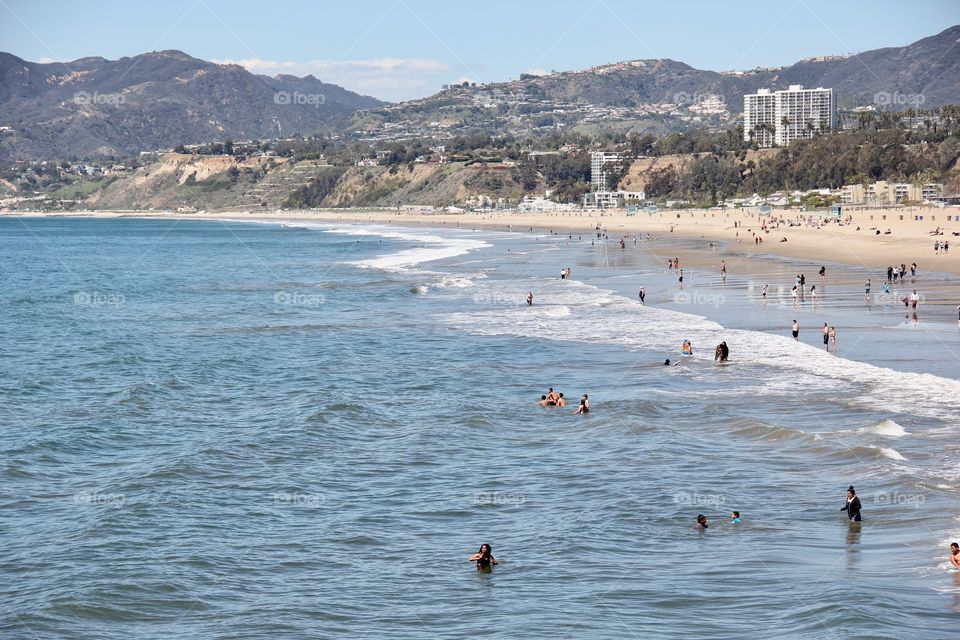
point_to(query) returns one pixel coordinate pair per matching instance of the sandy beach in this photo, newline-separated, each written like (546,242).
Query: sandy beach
(857,243)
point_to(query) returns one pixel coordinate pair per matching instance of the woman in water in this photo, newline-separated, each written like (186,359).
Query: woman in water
(687,348)
(484,558)
(584,405)
(852,507)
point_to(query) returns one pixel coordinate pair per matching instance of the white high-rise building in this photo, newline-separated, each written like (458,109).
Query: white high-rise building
(780,117)
(599,172)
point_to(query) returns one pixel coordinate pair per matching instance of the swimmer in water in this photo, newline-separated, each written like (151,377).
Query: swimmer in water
(543,401)
(852,507)
(584,405)
(735,518)
(687,348)
(484,558)
(702,522)
(552,397)
(955,555)
(530,298)
(561,401)
(721,353)
(666,362)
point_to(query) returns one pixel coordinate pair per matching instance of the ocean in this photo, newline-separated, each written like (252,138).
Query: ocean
(229,429)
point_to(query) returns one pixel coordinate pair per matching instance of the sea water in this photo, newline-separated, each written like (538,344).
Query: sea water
(223,429)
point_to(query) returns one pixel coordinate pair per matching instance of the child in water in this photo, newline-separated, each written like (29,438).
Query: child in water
(735,518)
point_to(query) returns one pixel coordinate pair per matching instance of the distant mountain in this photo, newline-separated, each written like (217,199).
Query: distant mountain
(155,100)
(652,95)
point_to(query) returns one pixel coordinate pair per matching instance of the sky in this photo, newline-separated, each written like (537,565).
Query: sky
(404,49)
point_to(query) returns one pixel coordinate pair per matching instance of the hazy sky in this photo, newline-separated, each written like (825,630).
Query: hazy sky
(400,49)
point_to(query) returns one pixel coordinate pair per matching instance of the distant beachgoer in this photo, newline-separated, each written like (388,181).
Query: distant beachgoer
(913,270)
(958,316)
(886,288)
(702,522)
(543,401)
(721,353)
(681,276)
(866,289)
(670,264)
(563,273)
(914,299)
(833,339)
(735,518)
(643,296)
(763,293)
(666,362)
(530,298)
(813,293)
(955,555)
(584,405)
(823,273)
(552,397)
(852,507)
(561,401)
(796,330)
(826,335)
(687,348)
(484,558)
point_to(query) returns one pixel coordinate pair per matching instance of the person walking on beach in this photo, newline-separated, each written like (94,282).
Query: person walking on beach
(796,330)
(833,339)
(813,295)
(852,507)
(826,336)
(530,298)
(681,278)
(643,296)
(914,299)
(823,273)
(484,558)
(889,274)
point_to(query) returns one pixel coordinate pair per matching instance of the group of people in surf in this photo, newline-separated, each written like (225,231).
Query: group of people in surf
(485,560)
(555,399)
(720,354)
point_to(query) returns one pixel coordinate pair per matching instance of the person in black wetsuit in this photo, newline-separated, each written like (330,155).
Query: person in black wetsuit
(852,507)
(484,558)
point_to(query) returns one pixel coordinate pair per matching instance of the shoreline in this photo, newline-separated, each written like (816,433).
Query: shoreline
(910,238)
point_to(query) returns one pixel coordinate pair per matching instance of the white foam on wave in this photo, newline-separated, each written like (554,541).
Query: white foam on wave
(893,454)
(602,316)
(887,428)
(434,247)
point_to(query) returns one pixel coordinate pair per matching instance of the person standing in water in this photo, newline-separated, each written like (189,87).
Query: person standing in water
(702,522)
(484,558)
(681,277)
(584,407)
(643,296)
(763,293)
(721,353)
(955,555)
(795,328)
(530,298)
(866,290)
(852,507)
(833,339)
(826,336)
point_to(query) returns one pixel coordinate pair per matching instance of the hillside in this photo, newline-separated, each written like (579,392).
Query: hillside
(655,96)
(96,107)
